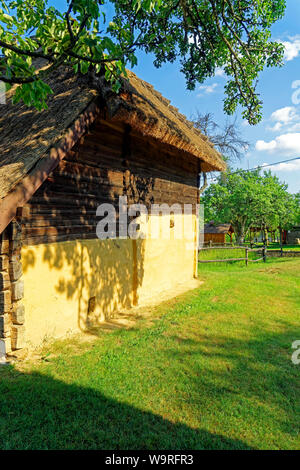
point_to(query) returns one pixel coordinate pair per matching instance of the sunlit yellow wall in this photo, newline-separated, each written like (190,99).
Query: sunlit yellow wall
(76,285)
(168,262)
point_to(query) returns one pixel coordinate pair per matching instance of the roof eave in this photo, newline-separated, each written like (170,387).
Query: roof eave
(25,188)
(208,155)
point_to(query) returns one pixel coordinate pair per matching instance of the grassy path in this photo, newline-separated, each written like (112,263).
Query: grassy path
(213,371)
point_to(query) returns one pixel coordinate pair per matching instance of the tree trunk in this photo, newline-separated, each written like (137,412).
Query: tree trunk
(239,234)
(240,239)
(266,237)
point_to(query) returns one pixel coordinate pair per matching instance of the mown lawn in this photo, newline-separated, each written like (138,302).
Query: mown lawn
(213,370)
(276,246)
(226,253)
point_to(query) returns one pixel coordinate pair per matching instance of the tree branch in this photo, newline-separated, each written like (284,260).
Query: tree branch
(33,54)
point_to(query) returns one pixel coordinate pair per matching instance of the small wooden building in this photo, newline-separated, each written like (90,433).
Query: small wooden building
(56,167)
(217,233)
(293,236)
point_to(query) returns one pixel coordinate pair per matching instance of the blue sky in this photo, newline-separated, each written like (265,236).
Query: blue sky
(277,137)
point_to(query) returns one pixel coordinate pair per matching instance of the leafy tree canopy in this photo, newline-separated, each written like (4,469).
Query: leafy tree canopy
(297,208)
(249,199)
(203,34)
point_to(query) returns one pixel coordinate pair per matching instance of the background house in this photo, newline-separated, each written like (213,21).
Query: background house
(57,166)
(217,233)
(293,236)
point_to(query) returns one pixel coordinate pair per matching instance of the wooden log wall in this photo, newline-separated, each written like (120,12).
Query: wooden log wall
(215,237)
(108,162)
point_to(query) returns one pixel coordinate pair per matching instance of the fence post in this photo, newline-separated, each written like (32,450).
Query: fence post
(246,259)
(210,243)
(264,254)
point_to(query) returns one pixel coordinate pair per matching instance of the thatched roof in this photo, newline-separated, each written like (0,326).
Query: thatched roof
(34,141)
(222,228)
(148,112)
(28,135)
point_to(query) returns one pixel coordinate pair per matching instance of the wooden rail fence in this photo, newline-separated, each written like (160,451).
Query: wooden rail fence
(263,250)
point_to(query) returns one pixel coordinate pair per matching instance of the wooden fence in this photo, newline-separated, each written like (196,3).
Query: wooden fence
(263,251)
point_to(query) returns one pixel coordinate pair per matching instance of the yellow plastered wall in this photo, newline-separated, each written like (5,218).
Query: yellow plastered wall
(169,259)
(75,285)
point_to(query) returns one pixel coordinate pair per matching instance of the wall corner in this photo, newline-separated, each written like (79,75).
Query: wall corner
(12,312)
(5,296)
(17,285)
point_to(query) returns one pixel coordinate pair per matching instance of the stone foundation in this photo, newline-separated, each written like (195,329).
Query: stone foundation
(12,314)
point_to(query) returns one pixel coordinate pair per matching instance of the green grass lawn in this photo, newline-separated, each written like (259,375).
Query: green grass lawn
(221,253)
(276,246)
(212,370)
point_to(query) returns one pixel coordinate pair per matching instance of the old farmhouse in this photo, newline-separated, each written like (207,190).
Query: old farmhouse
(90,147)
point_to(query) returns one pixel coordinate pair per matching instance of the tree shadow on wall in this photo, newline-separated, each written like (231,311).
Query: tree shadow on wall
(101,277)
(68,416)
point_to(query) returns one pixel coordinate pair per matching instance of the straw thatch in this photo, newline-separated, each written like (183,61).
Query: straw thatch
(27,136)
(148,112)
(222,228)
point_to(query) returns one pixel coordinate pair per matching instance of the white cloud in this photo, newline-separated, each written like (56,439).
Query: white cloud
(262,145)
(286,118)
(285,144)
(285,115)
(207,89)
(294,127)
(296,94)
(276,127)
(219,72)
(292,48)
(289,166)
